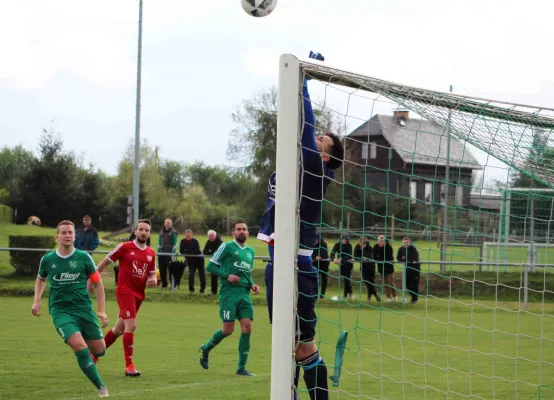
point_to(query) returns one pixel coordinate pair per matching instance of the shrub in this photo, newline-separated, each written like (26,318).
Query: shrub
(27,262)
(6,214)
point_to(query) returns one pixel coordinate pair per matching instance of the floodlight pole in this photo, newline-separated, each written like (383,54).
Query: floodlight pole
(136,166)
(446,183)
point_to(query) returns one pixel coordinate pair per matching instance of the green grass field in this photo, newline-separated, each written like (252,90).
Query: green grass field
(469,338)
(435,350)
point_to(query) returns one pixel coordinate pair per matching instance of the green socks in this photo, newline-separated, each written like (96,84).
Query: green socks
(88,367)
(217,337)
(244,348)
(244,345)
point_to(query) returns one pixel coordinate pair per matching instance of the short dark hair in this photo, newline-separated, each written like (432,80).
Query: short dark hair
(144,221)
(87,216)
(336,153)
(64,222)
(239,221)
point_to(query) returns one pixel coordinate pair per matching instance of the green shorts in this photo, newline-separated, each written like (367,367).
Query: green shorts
(84,322)
(235,304)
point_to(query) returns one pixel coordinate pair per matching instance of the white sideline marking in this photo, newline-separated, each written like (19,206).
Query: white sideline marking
(157,389)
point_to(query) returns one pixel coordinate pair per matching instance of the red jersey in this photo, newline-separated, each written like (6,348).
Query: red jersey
(135,264)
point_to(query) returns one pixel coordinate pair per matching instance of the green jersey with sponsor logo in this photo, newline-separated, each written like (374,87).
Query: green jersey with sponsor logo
(67,277)
(234,259)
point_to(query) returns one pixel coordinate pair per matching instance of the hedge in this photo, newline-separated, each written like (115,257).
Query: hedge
(27,262)
(6,214)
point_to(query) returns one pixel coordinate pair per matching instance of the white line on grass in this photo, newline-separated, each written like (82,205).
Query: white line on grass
(157,389)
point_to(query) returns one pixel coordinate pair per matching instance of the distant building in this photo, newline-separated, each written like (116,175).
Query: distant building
(407,157)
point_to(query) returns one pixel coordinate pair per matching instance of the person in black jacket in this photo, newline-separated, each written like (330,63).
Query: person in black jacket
(320,260)
(212,244)
(384,256)
(409,257)
(167,243)
(364,253)
(190,246)
(342,254)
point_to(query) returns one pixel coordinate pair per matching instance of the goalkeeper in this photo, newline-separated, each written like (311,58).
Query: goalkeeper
(320,156)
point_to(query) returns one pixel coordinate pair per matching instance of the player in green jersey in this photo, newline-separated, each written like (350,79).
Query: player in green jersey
(233,263)
(67,271)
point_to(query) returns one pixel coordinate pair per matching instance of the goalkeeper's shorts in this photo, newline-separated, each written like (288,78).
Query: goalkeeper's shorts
(306,318)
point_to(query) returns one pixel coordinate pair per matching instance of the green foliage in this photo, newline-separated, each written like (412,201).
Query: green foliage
(27,262)
(539,154)
(6,214)
(15,163)
(253,141)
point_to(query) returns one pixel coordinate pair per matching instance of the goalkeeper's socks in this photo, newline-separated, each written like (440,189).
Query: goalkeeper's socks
(296,378)
(110,338)
(88,367)
(315,376)
(217,337)
(244,348)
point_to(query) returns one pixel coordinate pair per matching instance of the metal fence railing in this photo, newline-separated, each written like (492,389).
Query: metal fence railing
(525,267)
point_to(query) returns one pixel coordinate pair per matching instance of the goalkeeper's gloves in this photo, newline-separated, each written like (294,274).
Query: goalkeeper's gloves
(316,56)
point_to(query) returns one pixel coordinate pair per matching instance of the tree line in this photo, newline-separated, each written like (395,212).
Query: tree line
(54,183)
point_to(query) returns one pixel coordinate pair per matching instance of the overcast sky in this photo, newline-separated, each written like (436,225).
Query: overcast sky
(74,62)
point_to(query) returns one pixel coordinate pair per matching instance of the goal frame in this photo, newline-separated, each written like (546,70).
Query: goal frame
(292,70)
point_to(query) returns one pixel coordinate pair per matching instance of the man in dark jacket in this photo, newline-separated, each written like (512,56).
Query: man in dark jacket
(320,260)
(190,246)
(383,254)
(86,237)
(167,243)
(364,253)
(212,244)
(409,257)
(342,254)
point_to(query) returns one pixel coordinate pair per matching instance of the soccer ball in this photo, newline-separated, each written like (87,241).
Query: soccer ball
(259,8)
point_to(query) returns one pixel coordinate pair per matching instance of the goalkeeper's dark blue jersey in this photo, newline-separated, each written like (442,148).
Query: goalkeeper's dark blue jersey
(315,177)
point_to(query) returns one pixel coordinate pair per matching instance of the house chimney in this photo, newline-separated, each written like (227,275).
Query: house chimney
(401,114)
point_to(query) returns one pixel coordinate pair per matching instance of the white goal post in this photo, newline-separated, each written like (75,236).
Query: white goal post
(286,222)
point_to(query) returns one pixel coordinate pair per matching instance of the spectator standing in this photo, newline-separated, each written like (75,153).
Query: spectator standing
(364,253)
(409,257)
(189,246)
(86,237)
(167,243)
(383,254)
(342,254)
(320,260)
(212,244)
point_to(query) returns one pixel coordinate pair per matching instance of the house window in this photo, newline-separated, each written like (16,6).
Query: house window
(428,192)
(365,147)
(443,193)
(373,151)
(413,192)
(459,195)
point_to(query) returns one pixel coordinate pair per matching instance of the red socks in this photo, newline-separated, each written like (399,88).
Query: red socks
(128,340)
(110,338)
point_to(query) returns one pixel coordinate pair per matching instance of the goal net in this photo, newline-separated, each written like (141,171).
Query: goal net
(437,168)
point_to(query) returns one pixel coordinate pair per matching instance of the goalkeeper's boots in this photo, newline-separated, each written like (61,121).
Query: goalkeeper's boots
(204,358)
(103,392)
(131,371)
(244,372)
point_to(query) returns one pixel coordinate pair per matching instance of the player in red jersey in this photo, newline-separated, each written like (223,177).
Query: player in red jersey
(137,270)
